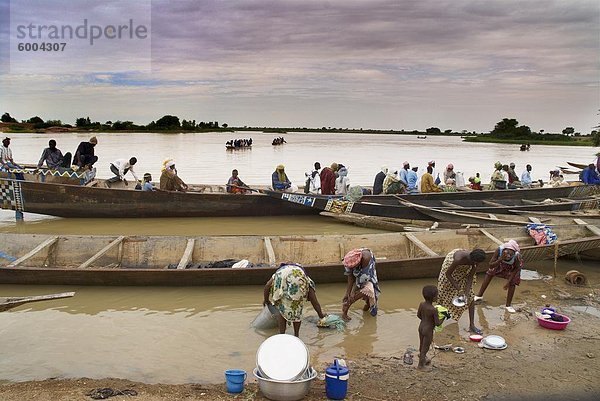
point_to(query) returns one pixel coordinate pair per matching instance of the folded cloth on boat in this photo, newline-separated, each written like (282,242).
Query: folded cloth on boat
(541,233)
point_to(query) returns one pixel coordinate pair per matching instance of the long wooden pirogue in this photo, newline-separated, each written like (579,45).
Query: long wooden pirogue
(112,260)
(7,303)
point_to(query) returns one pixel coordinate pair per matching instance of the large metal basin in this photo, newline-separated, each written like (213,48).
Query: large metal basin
(285,390)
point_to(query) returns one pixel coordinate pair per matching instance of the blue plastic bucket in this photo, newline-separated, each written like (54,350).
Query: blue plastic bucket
(336,381)
(235,379)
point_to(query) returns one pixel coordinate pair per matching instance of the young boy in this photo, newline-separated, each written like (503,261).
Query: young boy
(429,319)
(147,185)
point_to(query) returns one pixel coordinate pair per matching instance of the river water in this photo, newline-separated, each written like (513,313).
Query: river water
(178,335)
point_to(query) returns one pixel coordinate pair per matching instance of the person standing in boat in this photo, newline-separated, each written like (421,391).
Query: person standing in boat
(119,168)
(288,290)
(342,183)
(506,263)
(235,185)
(313,180)
(404,172)
(359,267)
(169,180)
(84,155)
(328,179)
(53,157)
(456,279)
(378,183)
(280,180)
(6,159)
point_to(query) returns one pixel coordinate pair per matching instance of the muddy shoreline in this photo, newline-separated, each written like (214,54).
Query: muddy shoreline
(538,364)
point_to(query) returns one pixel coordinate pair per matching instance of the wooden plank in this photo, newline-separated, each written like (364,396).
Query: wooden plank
(12,302)
(411,237)
(342,251)
(490,236)
(534,220)
(34,251)
(449,204)
(297,239)
(590,227)
(101,253)
(493,216)
(270,251)
(490,203)
(187,254)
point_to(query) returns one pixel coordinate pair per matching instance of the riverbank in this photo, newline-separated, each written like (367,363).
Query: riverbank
(538,364)
(572,141)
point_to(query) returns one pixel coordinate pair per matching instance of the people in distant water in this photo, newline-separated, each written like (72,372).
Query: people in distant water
(412,179)
(526,180)
(53,157)
(392,184)
(278,141)
(589,175)
(449,173)
(312,184)
(450,185)
(288,290)
(342,183)
(238,143)
(359,267)
(506,263)
(379,178)
(404,172)
(328,179)
(169,180)
(456,279)
(235,185)
(84,155)
(475,182)
(147,185)
(513,178)
(427,182)
(119,168)
(280,180)
(497,180)
(7,161)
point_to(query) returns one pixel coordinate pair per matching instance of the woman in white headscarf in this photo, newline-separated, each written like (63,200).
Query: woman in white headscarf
(169,180)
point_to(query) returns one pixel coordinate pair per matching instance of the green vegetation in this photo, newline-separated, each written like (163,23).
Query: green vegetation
(509,131)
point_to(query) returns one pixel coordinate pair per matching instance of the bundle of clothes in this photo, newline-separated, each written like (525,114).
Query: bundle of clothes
(541,233)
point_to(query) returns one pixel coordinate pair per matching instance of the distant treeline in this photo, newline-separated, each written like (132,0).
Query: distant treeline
(506,131)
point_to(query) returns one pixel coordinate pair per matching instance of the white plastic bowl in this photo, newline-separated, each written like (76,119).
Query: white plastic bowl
(282,357)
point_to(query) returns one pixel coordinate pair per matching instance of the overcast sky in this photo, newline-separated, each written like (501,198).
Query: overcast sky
(307,63)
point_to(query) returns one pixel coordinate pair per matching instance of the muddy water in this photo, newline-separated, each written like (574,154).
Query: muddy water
(177,335)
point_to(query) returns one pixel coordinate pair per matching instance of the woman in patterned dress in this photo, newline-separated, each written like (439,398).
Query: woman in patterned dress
(457,278)
(288,289)
(359,266)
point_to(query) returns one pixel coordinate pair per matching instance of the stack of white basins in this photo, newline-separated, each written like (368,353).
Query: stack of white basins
(283,368)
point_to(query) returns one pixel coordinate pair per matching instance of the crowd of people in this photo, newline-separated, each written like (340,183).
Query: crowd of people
(278,141)
(238,143)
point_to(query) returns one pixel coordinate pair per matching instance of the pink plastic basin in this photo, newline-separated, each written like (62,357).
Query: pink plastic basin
(552,325)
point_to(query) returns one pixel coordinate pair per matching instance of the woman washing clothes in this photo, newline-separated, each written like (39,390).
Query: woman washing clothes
(506,263)
(288,289)
(457,278)
(359,266)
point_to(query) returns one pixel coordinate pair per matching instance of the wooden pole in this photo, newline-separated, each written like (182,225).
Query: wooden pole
(555,257)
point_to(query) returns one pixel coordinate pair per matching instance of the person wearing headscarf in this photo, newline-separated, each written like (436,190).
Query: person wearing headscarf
(378,183)
(392,183)
(404,172)
(359,267)
(513,178)
(280,180)
(457,278)
(412,181)
(450,185)
(288,290)
(169,180)
(341,182)
(449,173)
(328,179)
(497,180)
(506,263)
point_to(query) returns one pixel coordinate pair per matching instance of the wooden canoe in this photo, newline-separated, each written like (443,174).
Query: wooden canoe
(112,260)
(94,202)
(406,211)
(577,165)
(487,219)
(390,223)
